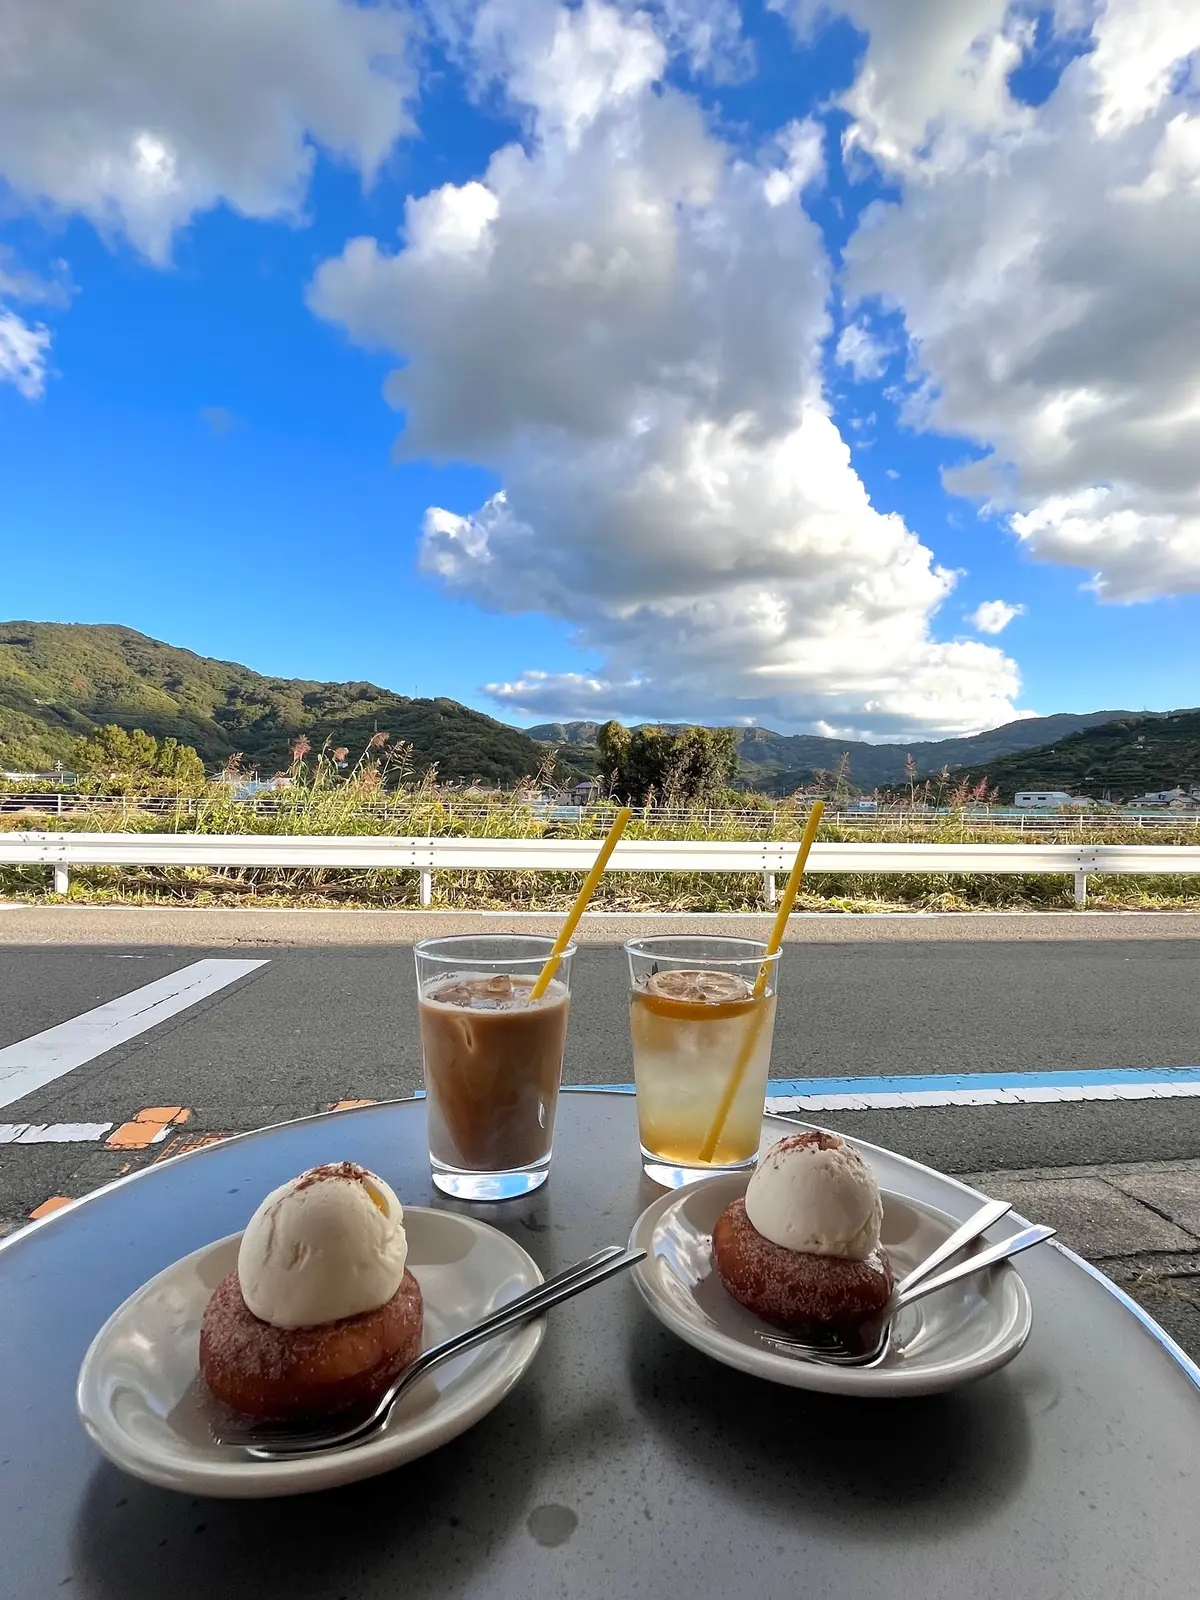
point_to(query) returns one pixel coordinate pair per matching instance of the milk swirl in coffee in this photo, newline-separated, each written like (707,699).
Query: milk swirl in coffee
(493,1059)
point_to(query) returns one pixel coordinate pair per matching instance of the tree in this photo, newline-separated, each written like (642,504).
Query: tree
(179,762)
(135,756)
(692,766)
(612,741)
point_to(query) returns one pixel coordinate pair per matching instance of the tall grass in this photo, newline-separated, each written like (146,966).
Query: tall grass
(376,797)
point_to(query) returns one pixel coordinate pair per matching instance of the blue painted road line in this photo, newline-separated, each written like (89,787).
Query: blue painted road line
(978,1089)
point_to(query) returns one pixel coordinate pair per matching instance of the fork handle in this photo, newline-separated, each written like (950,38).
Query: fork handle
(595,1269)
(965,1269)
(962,1236)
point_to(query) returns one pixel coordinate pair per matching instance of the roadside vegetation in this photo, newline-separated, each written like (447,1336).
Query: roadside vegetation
(329,794)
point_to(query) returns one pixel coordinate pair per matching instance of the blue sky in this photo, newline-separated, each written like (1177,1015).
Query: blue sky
(200,446)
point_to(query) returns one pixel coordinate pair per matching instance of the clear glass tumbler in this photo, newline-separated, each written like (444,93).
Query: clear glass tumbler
(492,1061)
(701,1052)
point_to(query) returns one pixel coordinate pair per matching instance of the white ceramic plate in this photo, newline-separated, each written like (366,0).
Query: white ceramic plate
(144,1405)
(961,1333)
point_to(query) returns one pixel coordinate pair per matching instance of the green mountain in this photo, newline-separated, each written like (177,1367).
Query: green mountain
(60,680)
(781,762)
(1130,756)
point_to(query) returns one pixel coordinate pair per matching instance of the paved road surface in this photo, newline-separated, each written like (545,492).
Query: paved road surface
(320,1023)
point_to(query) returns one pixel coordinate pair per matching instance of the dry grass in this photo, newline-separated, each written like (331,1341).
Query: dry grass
(325,802)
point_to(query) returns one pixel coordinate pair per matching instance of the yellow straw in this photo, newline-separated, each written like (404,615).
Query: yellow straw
(580,906)
(713,1137)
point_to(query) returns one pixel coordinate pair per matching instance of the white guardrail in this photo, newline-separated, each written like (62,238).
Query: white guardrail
(62,851)
(457,808)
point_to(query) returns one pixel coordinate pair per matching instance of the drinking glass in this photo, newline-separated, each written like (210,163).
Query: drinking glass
(691,1036)
(492,1061)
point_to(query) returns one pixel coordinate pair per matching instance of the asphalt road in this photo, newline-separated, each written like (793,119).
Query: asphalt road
(314,1026)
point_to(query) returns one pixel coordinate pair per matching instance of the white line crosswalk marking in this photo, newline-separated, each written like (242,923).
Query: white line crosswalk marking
(53,1132)
(39,1060)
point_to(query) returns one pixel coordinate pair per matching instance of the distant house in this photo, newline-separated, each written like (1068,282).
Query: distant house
(65,780)
(251,788)
(1160,797)
(1042,800)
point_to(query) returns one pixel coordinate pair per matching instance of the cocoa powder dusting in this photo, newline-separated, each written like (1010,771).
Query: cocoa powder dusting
(350,1171)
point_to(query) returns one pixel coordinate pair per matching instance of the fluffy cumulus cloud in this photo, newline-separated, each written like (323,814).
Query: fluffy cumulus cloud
(624,320)
(933,85)
(1044,261)
(993,616)
(140,113)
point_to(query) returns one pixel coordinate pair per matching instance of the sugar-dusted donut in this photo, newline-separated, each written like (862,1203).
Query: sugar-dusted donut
(791,1287)
(272,1372)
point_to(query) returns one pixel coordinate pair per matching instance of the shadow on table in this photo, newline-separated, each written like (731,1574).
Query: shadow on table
(417,1531)
(869,1464)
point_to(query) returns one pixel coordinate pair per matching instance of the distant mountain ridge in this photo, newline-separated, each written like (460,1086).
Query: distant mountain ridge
(1120,760)
(781,762)
(60,680)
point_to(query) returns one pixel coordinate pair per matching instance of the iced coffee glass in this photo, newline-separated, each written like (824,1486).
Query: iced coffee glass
(492,1060)
(695,1023)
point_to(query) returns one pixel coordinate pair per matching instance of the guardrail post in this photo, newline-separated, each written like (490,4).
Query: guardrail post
(426,888)
(62,879)
(769,888)
(1081,879)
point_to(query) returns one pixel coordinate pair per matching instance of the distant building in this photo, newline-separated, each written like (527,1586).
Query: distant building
(1043,800)
(251,788)
(1160,797)
(67,780)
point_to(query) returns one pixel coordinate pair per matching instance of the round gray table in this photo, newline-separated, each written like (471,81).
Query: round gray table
(625,1463)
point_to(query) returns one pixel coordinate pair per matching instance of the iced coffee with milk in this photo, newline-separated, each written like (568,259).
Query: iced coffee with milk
(492,1057)
(699,1022)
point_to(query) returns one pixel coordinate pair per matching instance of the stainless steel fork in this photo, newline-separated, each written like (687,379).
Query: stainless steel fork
(835,1351)
(287,1441)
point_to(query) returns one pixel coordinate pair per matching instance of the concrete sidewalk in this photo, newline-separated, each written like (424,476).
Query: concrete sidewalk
(1138,1221)
(212,928)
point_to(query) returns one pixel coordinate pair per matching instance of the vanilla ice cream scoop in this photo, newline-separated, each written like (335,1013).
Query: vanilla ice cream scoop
(327,1245)
(814,1192)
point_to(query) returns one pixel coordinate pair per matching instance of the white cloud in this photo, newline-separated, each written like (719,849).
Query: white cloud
(23,352)
(138,115)
(19,283)
(801,151)
(1139,48)
(625,321)
(1047,277)
(858,348)
(933,87)
(566,66)
(25,347)
(993,616)
(708,35)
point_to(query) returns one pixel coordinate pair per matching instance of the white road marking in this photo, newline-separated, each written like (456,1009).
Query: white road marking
(974,1089)
(52,1133)
(39,1060)
(1035,1087)
(979,1097)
